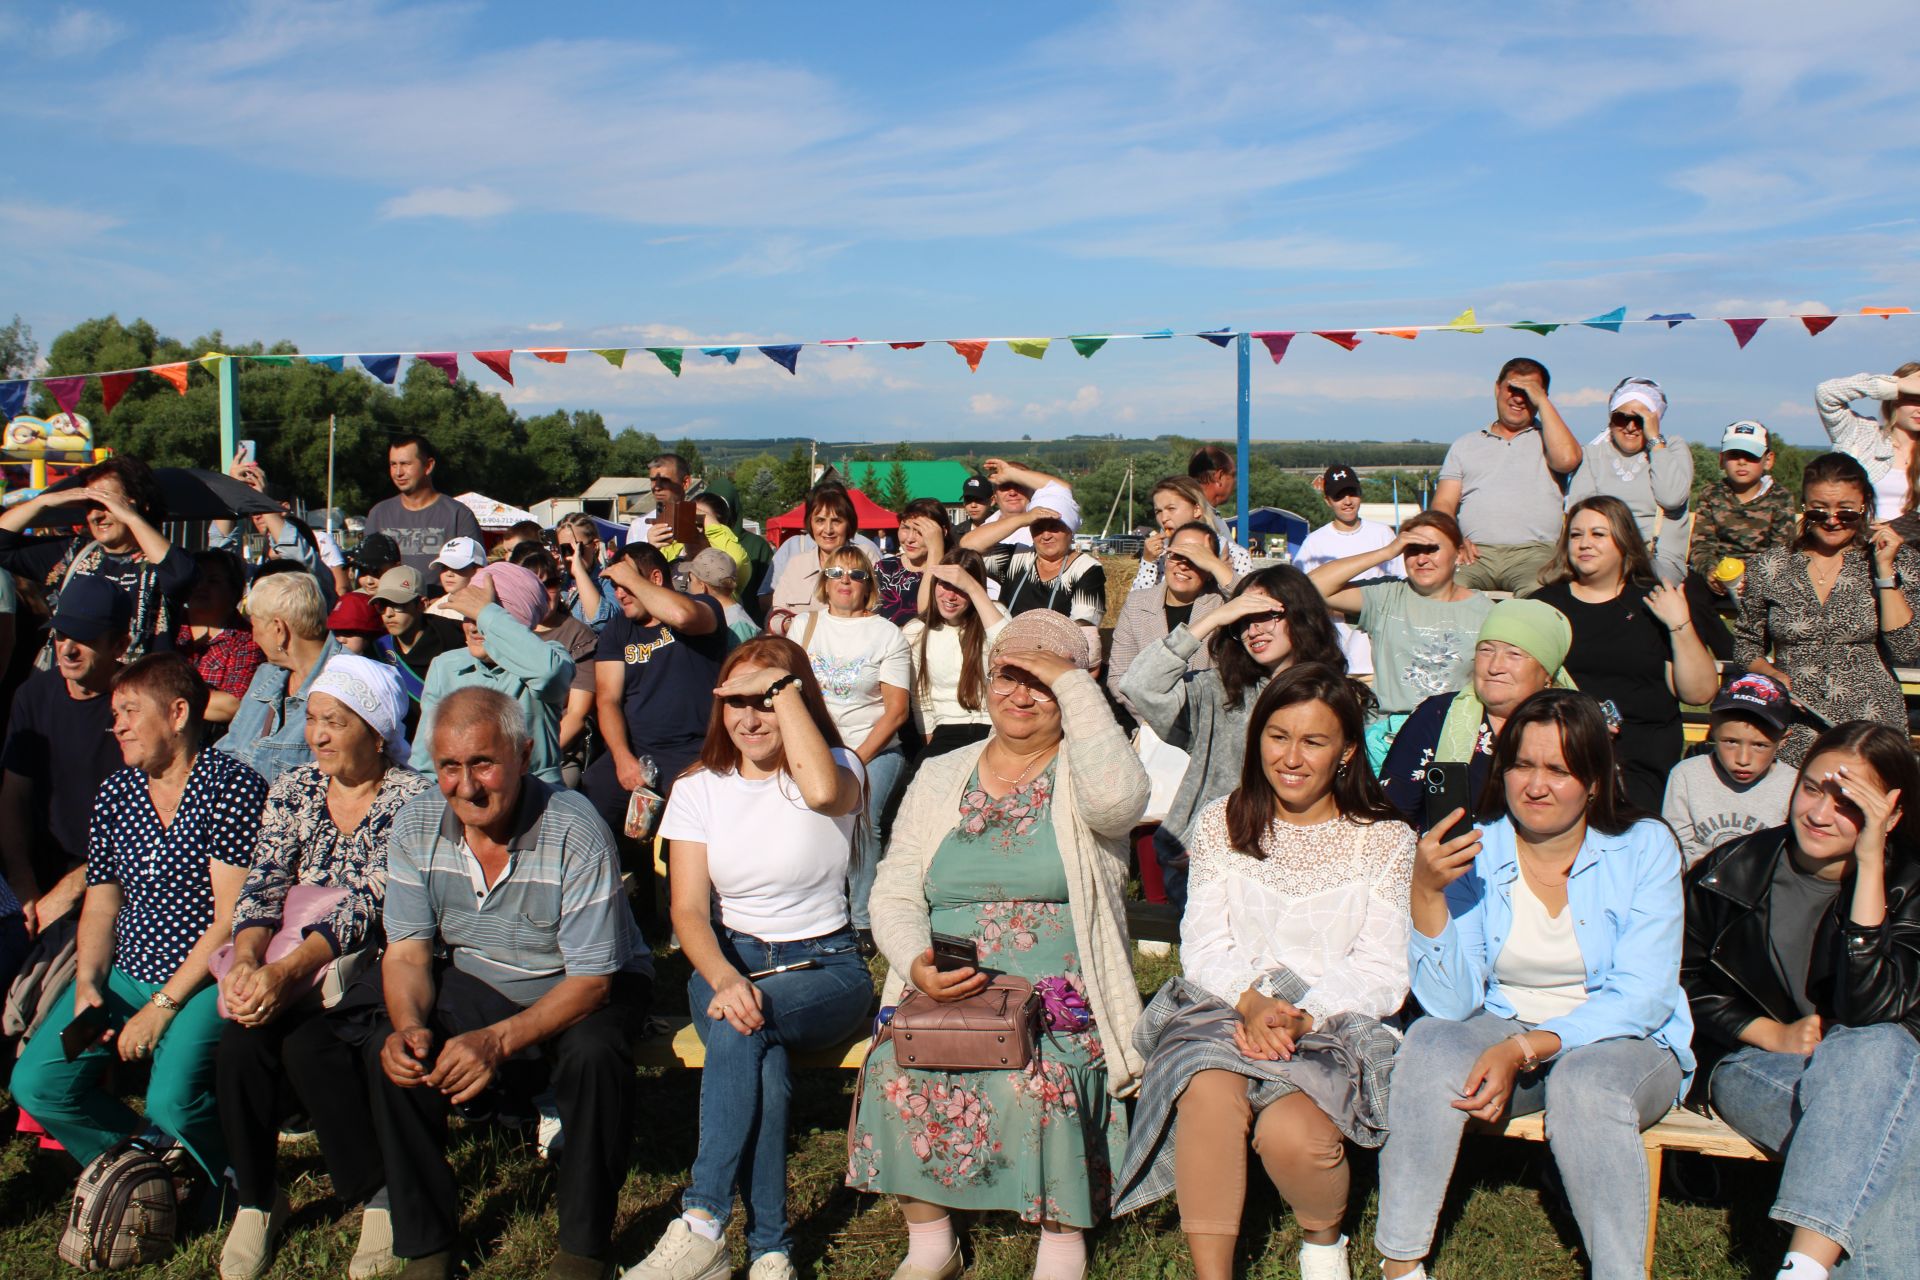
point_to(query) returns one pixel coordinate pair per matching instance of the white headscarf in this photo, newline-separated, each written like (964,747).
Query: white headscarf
(371,691)
(1642,391)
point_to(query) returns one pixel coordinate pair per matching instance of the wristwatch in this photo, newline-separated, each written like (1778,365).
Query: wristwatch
(1887,584)
(1530,1061)
(165,1001)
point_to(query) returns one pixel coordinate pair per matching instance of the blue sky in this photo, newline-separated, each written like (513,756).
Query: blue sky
(376,176)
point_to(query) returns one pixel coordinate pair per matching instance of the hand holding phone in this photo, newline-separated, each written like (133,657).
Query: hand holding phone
(952,952)
(1445,789)
(88,1028)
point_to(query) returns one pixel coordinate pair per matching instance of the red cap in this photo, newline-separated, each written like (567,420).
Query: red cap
(355,615)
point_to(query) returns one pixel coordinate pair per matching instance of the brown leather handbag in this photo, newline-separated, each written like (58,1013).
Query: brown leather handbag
(995,1030)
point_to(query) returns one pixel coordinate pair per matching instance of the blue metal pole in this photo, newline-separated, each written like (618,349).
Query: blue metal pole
(229,413)
(1243,348)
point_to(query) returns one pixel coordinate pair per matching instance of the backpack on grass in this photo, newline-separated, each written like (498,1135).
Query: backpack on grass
(125,1211)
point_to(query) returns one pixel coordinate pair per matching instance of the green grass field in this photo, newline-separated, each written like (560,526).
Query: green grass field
(1504,1223)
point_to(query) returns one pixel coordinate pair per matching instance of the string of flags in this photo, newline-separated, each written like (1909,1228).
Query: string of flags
(68,390)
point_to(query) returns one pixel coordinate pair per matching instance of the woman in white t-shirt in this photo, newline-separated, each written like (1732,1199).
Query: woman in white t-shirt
(760,834)
(949,643)
(862,664)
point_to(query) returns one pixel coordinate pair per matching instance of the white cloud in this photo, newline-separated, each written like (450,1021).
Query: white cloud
(45,224)
(545,326)
(988,405)
(79,31)
(1083,402)
(778,255)
(447,202)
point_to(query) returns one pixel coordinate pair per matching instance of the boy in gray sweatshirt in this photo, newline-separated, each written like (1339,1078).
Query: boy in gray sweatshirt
(1737,788)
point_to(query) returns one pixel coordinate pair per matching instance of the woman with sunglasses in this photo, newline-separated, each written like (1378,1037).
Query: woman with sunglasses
(1273,620)
(1422,630)
(1018,844)
(1834,608)
(1049,574)
(1632,461)
(831,522)
(1801,963)
(1888,444)
(865,672)
(760,835)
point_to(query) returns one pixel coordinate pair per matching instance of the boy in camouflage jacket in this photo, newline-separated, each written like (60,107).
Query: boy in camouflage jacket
(1745,513)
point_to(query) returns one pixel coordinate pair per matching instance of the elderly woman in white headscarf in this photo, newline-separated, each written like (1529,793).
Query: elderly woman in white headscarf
(309,911)
(1633,461)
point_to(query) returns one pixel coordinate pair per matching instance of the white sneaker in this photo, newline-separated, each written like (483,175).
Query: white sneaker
(548,1135)
(684,1254)
(1418,1273)
(772,1266)
(249,1247)
(1149,947)
(1324,1261)
(374,1255)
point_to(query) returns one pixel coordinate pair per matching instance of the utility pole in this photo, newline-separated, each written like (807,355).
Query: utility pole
(329,475)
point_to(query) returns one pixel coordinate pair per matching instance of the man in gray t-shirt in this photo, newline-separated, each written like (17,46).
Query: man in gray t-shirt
(419,517)
(1506,484)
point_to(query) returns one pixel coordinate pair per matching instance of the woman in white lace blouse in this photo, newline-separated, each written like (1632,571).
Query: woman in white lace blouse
(1304,867)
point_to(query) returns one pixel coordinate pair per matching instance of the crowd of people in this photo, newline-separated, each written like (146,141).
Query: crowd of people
(369,840)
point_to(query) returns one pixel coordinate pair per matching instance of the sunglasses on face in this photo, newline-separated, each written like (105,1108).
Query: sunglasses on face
(1627,422)
(838,572)
(1262,621)
(1838,519)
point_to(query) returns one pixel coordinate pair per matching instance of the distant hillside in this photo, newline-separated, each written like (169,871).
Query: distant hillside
(1084,453)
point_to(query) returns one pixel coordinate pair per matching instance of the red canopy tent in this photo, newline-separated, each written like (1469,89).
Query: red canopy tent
(869,515)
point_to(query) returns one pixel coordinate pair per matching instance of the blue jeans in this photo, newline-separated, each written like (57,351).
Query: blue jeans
(1598,1099)
(883,774)
(745,1087)
(1847,1121)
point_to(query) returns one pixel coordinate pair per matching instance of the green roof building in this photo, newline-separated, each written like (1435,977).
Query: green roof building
(940,481)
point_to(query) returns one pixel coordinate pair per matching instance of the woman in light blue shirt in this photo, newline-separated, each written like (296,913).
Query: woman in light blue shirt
(1546,949)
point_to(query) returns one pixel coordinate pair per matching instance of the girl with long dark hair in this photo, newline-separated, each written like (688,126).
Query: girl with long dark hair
(949,641)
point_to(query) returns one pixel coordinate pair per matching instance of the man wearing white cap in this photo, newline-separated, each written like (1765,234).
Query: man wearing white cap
(1632,461)
(1744,514)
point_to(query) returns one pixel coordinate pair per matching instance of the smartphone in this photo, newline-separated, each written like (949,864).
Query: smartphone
(950,952)
(686,521)
(1446,790)
(249,451)
(84,1031)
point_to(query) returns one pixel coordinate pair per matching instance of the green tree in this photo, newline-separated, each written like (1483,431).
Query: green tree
(893,488)
(904,452)
(796,477)
(18,350)
(696,465)
(631,452)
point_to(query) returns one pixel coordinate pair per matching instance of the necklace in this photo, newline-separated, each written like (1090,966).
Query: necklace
(1535,873)
(1021,781)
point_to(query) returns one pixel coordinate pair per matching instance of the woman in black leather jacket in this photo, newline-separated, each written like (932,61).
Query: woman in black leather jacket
(1802,963)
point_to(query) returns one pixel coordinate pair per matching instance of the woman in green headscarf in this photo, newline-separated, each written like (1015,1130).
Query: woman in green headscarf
(1521,650)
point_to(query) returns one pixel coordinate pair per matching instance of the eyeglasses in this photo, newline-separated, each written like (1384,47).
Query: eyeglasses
(1627,421)
(1269,622)
(1835,519)
(838,572)
(1002,683)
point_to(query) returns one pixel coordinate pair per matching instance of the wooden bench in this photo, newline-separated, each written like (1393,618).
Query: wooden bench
(679,1046)
(1679,1130)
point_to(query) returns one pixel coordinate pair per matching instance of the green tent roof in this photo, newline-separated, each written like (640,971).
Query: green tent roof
(940,481)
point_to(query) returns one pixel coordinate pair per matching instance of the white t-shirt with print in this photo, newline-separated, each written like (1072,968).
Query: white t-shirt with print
(777,889)
(852,658)
(1327,544)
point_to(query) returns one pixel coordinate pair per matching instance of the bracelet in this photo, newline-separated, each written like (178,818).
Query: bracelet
(1674,631)
(1888,584)
(165,1001)
(1529,1060)
(784,682)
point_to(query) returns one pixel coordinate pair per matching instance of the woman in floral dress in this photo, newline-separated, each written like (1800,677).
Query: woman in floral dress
(1018,843)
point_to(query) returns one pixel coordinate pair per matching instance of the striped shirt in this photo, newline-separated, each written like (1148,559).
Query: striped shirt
(556,911)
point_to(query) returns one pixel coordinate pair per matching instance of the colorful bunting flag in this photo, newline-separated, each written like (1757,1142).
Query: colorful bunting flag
(1339,337)
(552,355)
(906,346)
(1886,311)
(66,392)
(1465,322)
(1673,321)
(335,363)
(1035,348)
(1218,337)
(1817,324)
(1158,333)
(445,361)
(786,356)
(13,398)
(1532,326)
(1409,334)
(501,362)
(1275,342)
(273,360)
(1743,330)
(112,387)
(729,354)
(381,367)
(177,375)
(838,342)
(971,349)
(1086,345)
(1610,321)
(211,361)
(670,357)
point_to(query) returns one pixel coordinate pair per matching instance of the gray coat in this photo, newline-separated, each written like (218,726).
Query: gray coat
(1143,620)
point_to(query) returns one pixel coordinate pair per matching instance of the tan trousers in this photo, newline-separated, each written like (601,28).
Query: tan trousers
(1302,1151)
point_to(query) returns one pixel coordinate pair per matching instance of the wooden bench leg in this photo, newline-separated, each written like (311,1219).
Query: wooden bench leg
(1655,1155)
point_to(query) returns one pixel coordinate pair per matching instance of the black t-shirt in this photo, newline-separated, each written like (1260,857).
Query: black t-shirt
(65,747)
(1797,904)
(437,636)
(668,679)
(1178,615)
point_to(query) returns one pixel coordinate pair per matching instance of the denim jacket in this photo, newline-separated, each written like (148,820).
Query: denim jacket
(269,728)
(1628,917)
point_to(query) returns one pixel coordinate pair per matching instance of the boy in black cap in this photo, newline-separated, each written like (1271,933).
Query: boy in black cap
(1347,535)
(976,500)
(1735,789)
(376,554)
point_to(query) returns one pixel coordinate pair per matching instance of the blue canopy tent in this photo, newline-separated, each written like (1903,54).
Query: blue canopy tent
(1268,521)
(613,535)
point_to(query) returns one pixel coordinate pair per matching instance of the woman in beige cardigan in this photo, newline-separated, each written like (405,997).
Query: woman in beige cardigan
(1019,844)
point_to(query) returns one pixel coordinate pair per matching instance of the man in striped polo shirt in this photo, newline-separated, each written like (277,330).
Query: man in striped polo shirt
(543,981)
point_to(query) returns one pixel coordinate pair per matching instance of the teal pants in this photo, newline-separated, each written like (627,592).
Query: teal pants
(71,1101)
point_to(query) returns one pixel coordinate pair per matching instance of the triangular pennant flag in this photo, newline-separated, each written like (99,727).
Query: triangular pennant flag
(445,361)
(1036,348)
(66,392)
(786,356)
(729,354)
(1086,346)
(1275,342)
(211,360)
(1673,320)
(838,342)
(1886,311)
(670,357)
(13,398)
(381,367)
(277,360)
(1158,333)
(501,362)
(970,349)
(615,356)
(112,387)
(335,363)
(552,355)
(1339,337)
(1533,326)
(1743,330)
(174,373)
(906,346)
(1409,334)
(1218,337)
(1465,322)
(1817,324)
(1610,321)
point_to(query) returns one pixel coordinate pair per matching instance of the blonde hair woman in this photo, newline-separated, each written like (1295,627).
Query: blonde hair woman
(1885,443)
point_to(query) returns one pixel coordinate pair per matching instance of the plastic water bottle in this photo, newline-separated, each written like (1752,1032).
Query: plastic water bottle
(1729,573)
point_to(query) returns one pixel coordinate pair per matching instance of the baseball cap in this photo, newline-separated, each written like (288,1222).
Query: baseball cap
(376,553)
(91,607)
(1745,437)
(714,565)
(398,585)
(1758,696)
(1339,478)
(977,489)
(355,615)
(459,553)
